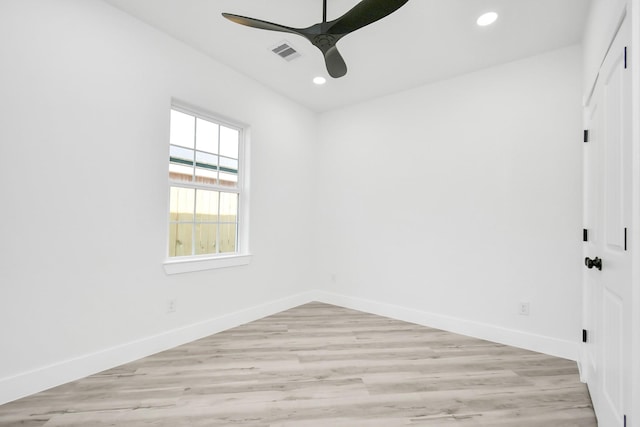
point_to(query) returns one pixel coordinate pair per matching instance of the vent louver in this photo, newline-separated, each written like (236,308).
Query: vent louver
(285,51)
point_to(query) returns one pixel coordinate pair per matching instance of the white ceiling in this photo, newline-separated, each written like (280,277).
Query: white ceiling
(422,42)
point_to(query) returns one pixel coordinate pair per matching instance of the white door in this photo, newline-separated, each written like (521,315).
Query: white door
(607,206)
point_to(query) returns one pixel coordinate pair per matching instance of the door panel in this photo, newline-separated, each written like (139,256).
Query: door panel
(612,351)
(614,162)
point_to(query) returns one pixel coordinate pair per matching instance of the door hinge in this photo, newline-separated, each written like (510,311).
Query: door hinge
(585,235)
(584,335)
(586,135)
(625,57)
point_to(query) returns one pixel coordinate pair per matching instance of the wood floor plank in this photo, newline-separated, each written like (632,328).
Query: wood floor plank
(319,365)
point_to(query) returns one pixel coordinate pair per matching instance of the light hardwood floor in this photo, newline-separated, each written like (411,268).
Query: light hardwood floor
(321,365)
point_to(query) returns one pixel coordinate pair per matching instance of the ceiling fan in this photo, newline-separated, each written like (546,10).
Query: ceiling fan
(325,35)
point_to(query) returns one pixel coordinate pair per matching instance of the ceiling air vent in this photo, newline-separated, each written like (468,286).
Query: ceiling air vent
(285,51)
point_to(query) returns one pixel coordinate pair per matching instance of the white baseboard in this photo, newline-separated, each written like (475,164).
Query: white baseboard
(539,343)
(27,383)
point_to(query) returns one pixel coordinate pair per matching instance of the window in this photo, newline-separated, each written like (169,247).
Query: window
(205,191)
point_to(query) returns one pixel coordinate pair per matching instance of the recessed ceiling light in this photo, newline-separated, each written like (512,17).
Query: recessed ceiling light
(319,80)
(487,19)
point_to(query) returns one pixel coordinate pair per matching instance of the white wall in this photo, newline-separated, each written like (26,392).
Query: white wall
(449,204)
(85,92)
(453,202)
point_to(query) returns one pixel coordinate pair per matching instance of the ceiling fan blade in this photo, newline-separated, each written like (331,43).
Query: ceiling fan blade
(335,64)
(263,25)
(364,13)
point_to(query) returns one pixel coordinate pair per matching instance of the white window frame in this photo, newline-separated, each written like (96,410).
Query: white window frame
(242,256)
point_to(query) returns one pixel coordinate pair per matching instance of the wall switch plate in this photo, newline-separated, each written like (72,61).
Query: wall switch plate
(523,308)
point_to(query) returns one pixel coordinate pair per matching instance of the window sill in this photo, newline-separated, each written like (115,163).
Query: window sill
(187,265)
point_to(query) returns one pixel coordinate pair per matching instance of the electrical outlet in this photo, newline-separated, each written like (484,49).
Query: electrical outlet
(334,278)
(523,308)
(172,306)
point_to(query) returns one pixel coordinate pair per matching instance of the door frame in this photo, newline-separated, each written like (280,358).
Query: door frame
(631,11)
(635,209)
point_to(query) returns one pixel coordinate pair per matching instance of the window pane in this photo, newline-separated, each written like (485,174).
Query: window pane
(206,158)
(206,136)
(229,164)
(180,238)
(228,207)
(227,238)
(229,142)
(180,153)
(180,172)
(228,179)
(182,129)
(206,238)
(206,206)
(206,176)
(181,204)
